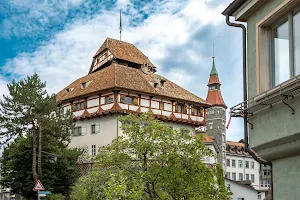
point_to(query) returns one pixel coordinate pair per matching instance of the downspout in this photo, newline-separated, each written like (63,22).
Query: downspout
(245,94)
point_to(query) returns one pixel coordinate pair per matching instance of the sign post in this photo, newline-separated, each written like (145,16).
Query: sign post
(38,186)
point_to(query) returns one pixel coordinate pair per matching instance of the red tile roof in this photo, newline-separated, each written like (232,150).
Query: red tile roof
(208,138)
(213,79)
(214,97)
(236,148)
(117,76)
(124,51)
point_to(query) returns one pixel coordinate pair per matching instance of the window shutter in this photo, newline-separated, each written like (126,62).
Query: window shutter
(185,109)
(75,131)
(97,128)
(161,105)
(201,112)
(193,110)
(135,101)
(83,130)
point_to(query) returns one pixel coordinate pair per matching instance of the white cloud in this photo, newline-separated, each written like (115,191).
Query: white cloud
(29,16)
(67,56)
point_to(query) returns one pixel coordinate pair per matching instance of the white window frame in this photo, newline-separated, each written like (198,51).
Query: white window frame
(233,161)
(94,150)
(97,128)
(240,162)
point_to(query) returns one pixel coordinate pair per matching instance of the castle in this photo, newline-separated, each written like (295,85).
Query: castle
(121,79)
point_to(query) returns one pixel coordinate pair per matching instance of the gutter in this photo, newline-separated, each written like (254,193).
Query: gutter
(245,94)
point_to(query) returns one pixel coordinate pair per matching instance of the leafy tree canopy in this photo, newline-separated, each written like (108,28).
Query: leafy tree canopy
(151,161)
(59,169)
(39,132)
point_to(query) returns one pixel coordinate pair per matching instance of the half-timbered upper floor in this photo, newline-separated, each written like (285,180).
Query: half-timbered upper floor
(123,80)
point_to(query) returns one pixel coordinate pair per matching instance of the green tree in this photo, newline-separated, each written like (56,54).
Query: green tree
(59,168)
(30,112)
(151,161)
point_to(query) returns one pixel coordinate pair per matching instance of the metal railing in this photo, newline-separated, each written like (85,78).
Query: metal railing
(281,93)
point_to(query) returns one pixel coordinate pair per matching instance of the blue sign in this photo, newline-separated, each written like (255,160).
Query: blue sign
(44,192)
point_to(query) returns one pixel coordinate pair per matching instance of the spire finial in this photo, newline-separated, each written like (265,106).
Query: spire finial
(120,25)
(213,51)
(213,69)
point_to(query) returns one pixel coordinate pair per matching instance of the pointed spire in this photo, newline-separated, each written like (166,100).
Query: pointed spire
(213,69)
(214,96)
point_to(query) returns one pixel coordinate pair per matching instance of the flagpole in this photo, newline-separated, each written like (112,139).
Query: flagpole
(120,25)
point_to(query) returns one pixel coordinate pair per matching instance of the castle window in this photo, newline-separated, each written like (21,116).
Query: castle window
(109,99)
(178,108)
(79,131)
(196,111)
(129,100)
(79,106)
(95,128)
(185,109)
(94,150)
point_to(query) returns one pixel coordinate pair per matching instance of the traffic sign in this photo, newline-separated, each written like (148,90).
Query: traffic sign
(38,186)
(44,192)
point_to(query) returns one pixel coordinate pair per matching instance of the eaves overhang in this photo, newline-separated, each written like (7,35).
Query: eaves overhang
(243,9)
(233,7)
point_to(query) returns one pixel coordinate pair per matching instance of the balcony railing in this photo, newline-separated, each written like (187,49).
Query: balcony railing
(281,93)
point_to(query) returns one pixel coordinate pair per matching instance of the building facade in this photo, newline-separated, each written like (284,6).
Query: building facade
(122,80)
(243,191)
(240,166)
(273,105)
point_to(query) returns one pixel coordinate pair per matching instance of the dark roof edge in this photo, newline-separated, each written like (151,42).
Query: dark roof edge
(242,184)
(233,7)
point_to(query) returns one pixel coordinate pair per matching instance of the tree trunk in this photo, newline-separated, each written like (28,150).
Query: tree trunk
(34,174)
(40,153)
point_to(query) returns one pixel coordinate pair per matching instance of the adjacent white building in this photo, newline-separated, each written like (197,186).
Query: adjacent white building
(243,191)
(240,166)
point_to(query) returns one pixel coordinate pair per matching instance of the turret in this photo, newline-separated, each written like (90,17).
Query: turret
(216,115)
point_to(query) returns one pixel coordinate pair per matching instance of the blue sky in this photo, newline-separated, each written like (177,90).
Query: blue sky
(57,39)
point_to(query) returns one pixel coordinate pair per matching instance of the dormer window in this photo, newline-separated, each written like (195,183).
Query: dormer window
(68,90)
(83,85)
(155,85)
(162,82)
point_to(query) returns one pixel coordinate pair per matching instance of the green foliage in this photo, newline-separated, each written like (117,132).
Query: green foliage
(27,106)
(54,197)
(59,169)
(26,113)
(151,161)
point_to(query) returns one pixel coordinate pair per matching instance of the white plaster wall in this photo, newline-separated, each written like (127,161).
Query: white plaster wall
(240,191)
(108,131)
(211,159)
(243,170)
(78,113)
